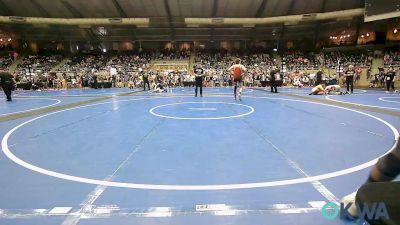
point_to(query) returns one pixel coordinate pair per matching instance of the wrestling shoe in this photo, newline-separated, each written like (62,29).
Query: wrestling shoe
(352,210)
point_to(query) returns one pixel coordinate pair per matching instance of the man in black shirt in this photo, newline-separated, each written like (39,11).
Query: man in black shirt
(199,73)
(350,78)
(274,78)
(389,77)
(7,83)
(145,80)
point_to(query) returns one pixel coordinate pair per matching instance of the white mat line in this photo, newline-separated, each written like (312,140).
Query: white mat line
(113,210)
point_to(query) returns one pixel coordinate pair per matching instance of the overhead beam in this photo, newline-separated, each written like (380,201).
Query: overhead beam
(75,21)
(276,19)
(171,25)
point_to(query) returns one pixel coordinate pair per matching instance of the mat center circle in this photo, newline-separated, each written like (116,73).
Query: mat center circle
(201,110)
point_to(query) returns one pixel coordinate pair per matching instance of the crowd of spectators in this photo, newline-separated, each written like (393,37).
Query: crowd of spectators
(84,63)
(36,65)
(123,70)
(5,62)
(391,58)
(299,61)
(80,71)
(7,58)
(357,59)
(169,54)
(217,63)
(127,69)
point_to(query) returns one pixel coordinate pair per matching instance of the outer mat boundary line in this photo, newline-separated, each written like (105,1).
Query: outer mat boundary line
(329,175)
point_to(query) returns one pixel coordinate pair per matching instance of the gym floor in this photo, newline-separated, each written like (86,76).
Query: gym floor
(120,156)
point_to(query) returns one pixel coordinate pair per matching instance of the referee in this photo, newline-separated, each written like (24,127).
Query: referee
(350,79)
(274,78)
(199,73)
(389,77)
(145,77)
(7,83)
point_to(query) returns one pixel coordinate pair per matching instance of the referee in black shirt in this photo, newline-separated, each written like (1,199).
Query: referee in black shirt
(7,83)
(145,77)
(389,77)
(350,78)
(274,84)
(199,73)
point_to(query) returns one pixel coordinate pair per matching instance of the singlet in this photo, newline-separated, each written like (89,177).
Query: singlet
(238,70)
(318,88)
